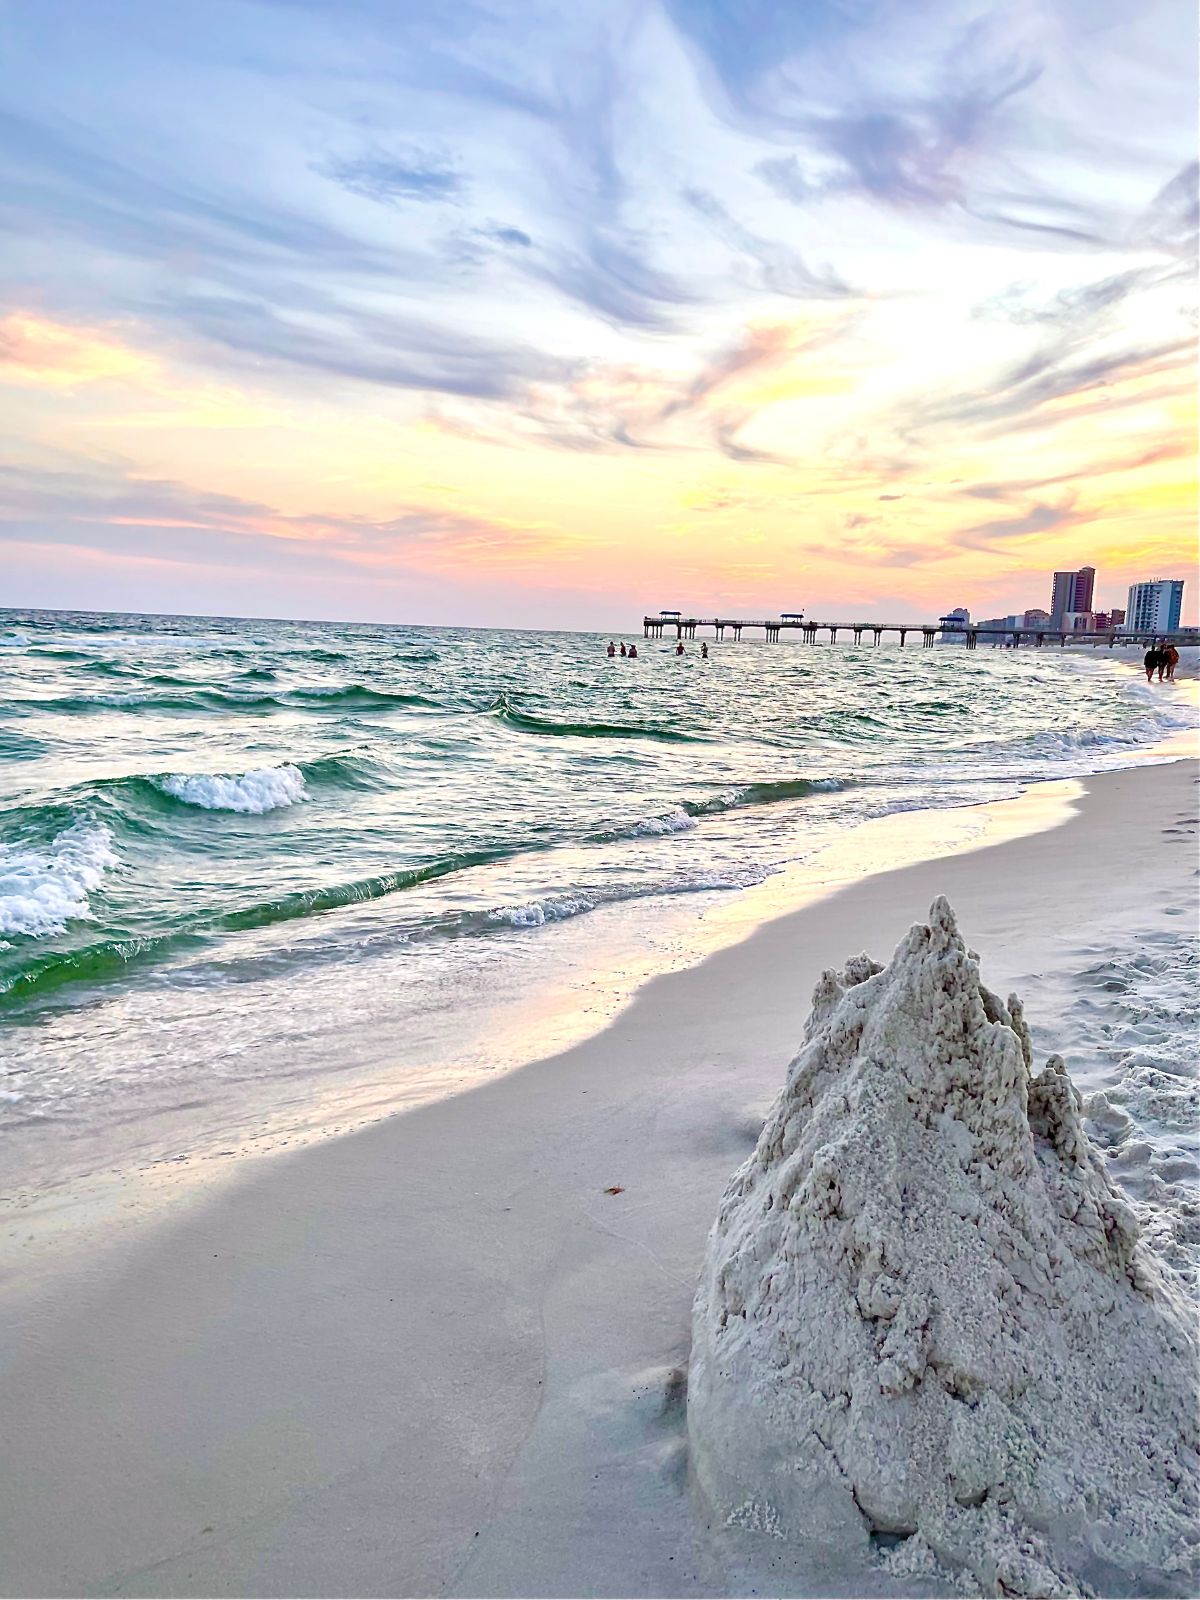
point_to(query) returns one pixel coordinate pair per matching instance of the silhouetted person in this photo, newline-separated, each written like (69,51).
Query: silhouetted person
(612,649)
(624,652)
(1172,662)
(704,651)
(679,648)
(1150,661)
(633,652)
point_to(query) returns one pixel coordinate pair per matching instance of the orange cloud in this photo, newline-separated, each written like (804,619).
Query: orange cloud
(60,358)
(52,355)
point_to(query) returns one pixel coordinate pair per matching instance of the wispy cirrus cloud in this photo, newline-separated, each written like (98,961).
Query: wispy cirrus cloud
(902,153)
(1042,517)
(780,269)
(1055,377)
(396,179)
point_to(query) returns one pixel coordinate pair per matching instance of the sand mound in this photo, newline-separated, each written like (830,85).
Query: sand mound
(926,1315)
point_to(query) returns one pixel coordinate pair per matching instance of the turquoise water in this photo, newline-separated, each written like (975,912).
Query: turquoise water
(220,838)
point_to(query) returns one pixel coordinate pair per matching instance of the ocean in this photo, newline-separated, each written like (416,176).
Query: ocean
(250,870)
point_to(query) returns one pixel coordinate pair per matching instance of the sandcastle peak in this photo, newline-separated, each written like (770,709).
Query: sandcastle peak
(926,1312)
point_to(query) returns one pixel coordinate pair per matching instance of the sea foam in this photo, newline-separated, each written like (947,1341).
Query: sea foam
(536,913)
(42,889)
(677,821)
(253,793)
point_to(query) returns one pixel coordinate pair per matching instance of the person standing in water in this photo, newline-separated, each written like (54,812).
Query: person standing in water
(1150,661)
(633,652)
(624,652)
(1172,656)
(612,649)
(679,648)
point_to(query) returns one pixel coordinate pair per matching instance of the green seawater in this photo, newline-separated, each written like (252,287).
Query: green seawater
(219,835)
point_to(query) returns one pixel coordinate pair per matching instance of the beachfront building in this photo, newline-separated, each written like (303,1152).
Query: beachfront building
(1154,607)
(1072,593)
(954,626)
(1078,622)
(1035,618)
(1105,620)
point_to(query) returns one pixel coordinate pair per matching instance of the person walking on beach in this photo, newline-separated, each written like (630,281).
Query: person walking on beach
(1150,661)
(1172,656)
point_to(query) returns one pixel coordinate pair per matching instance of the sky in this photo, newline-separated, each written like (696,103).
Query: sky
(542,314)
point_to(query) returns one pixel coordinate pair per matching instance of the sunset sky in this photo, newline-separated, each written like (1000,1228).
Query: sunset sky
(543,314)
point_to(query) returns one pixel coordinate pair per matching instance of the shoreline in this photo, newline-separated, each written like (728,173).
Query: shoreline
(167,1157)
(435,1355)
(597,978)
(139,1193)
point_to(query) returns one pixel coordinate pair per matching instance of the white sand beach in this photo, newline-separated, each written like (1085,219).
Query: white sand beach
(448,1354)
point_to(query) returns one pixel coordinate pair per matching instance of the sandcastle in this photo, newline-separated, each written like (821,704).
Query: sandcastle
(926,1317)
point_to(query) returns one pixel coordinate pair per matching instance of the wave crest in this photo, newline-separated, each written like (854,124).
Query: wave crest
(761,794)
(252,793)
(41,890)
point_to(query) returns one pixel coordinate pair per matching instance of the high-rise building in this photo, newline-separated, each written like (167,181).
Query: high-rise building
(1154,606)
(954,626)
(1072,592)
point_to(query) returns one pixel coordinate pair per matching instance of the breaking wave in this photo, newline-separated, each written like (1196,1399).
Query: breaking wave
(761,794)
(332,897)
(43,888)
(559,907)
(253,793)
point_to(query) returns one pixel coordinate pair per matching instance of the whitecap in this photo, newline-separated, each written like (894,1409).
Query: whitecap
(253,793)
(677,821)
(536,913)
(41,890)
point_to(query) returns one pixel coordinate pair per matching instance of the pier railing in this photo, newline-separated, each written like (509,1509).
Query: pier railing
(931,633)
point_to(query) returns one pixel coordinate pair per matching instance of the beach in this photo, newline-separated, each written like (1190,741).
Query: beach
(262,880)
(599,801)
(448,1353)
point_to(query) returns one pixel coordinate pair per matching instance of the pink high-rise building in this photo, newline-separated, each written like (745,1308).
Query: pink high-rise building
(1072,592)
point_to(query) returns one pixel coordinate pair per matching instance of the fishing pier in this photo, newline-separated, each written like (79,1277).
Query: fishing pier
(675,624)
